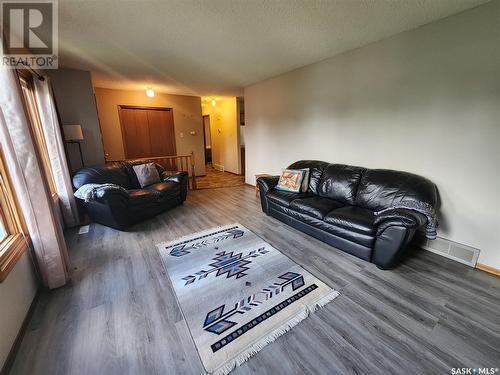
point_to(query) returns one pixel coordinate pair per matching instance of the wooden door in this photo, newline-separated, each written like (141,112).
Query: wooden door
(147,132)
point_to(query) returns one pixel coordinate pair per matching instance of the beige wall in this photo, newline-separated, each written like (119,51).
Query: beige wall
(76,105)
(16,293)
(425,101)
(225,133)
(187,118)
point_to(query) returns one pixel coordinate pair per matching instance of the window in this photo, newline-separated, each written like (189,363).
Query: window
(12,239)
(27,87)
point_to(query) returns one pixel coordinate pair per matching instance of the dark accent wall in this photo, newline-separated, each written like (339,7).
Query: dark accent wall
(76,104)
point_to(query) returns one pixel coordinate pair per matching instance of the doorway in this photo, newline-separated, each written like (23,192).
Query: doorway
(207,138)
(221,138)
(147,131)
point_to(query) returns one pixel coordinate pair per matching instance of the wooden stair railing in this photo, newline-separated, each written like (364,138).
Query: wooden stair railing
(179,163)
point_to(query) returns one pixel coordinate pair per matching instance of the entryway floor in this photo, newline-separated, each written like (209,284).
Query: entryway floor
(218,179)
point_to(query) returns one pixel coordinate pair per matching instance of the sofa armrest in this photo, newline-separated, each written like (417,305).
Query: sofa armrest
(395,229)
(181,178)
(399,217)
(171,176)
(113,198)
(110,208)
(265,184)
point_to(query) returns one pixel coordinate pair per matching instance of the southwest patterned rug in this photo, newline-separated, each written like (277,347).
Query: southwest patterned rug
(237,293)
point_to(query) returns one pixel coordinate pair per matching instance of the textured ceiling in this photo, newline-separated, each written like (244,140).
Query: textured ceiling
(217,47)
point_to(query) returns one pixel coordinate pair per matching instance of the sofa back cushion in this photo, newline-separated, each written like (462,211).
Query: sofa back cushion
(111,173)
(316,169)
(340,182)
(382,188)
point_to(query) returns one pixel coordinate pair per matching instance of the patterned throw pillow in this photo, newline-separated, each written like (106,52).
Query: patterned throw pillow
(147,174)
(291,180)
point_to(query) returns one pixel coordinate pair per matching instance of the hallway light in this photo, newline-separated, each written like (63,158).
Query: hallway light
(213,102)
(149,92)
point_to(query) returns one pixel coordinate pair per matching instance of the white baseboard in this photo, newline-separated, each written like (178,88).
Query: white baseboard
(219,167)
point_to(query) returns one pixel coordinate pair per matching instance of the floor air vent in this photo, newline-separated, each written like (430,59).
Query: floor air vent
(449,249)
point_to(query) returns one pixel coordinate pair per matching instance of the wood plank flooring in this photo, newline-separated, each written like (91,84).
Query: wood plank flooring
(120,316)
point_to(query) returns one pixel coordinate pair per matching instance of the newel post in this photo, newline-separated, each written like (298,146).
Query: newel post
(193,181)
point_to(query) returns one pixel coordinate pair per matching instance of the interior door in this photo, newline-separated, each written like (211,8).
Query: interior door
(147,132)
(207,138)
(161,132)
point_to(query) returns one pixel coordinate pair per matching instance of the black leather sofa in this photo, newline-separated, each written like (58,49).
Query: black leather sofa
(339,205)
(119,209)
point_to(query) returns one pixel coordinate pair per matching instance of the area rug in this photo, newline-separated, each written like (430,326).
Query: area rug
(237,293)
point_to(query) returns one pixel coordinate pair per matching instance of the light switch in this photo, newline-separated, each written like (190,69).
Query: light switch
(182,135)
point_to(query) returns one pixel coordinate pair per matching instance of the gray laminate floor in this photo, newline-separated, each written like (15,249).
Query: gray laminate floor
(120,316)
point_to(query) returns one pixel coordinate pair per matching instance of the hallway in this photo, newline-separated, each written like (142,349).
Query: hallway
(218,179)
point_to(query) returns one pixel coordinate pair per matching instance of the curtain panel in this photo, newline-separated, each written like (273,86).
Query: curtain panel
(36,204)
(55,148)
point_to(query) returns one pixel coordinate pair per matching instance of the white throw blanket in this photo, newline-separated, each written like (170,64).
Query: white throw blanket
(90,192)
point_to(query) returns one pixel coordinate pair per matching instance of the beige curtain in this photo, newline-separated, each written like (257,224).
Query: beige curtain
(55,148)
(37,206)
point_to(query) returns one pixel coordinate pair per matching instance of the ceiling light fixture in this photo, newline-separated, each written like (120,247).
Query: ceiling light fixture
(213,102)
(149,92)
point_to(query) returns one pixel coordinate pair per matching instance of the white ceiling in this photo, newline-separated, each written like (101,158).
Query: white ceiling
(217,47)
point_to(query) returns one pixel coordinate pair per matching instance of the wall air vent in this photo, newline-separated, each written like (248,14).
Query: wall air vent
(449,249)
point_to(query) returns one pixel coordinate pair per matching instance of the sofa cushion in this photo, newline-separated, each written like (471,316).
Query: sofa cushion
(353,218)
(317,207)
(362,239)
(382,188)
(284,198)
(340,182)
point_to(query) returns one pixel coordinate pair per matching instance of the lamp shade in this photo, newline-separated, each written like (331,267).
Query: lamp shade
(73,133)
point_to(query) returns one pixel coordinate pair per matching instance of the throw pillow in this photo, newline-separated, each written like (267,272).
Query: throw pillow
(305,182)
(291,180)
(147,174)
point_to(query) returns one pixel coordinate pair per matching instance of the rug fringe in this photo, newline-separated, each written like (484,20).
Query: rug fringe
(190,235)
(328,298)
(259,345)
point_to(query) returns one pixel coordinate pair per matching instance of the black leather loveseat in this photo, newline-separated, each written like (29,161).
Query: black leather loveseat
(340,204)
(119,209)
